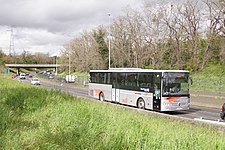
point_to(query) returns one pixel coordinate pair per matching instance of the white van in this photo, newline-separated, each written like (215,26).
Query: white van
(35,81)
(22,76)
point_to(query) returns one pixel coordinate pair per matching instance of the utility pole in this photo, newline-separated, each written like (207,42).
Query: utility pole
(11,46)
(69,57)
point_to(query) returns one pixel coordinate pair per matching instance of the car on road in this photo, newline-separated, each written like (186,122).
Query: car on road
(30,76)
(222,112)
(22,76)
(35,81)
(50,77)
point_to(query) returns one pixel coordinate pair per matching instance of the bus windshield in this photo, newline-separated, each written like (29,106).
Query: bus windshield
(175,84)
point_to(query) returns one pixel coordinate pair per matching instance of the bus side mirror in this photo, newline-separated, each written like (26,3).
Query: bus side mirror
(190,81)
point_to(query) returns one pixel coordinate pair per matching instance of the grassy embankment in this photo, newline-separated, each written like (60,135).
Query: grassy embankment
(211,79)
(36,118)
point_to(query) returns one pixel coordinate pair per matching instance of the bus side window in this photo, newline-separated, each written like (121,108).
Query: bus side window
(121,77)
(145,82)
(113,80)
(108,78)
(103,78)
(94,77)
(131,80)
(91,78)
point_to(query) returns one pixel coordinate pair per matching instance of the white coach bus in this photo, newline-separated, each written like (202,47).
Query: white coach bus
(160,90)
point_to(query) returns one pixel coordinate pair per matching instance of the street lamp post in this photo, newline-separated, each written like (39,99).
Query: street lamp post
(69,56)
(109,38)
(56,69)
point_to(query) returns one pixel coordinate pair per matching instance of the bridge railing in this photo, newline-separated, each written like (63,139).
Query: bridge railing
(32,65)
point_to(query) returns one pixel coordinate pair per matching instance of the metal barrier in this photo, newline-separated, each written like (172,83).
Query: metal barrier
(79,80)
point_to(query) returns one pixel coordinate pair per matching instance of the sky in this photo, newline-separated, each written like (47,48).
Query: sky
(46,25)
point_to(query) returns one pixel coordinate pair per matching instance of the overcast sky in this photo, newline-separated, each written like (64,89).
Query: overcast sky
(46,25)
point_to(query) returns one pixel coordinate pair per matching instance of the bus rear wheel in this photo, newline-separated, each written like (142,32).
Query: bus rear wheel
(101,97)
(141,103)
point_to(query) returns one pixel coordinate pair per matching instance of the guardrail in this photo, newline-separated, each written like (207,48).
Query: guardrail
(79,80)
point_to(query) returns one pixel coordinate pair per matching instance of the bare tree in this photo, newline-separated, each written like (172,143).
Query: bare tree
(214,29)
(189,20)
(155,36)
(84,54)
(120,51)
(176,35)
(121,43)
(128,44)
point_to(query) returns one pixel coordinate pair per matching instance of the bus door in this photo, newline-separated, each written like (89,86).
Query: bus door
(115,91)
(157,91)
(115,95)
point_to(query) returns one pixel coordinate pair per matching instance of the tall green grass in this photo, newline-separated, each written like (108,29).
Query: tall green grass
(36,118)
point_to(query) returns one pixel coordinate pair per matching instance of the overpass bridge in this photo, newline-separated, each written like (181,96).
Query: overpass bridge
(18,66)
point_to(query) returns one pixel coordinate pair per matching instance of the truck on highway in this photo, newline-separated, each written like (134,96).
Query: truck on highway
(70,78)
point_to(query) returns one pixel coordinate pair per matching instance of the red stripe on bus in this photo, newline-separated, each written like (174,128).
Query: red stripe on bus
(172,99)
(97,92)
(125,100)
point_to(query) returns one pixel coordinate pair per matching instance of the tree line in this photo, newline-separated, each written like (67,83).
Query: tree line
(26,58)
(183,36)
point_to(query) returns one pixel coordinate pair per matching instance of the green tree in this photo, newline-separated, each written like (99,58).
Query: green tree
(99,36)
(2,57)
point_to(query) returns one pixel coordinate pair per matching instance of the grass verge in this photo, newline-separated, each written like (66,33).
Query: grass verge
(36,118)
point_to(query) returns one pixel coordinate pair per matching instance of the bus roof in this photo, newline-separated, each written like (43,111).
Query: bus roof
(136,70)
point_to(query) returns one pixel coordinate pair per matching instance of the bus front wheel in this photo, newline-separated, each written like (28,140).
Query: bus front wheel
(141,103)
(101,97)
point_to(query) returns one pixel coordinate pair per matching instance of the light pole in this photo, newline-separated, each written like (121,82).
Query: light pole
(69,57)
(55,62)
(109,38)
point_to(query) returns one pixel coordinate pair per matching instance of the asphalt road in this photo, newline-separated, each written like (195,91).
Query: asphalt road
(196,111)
